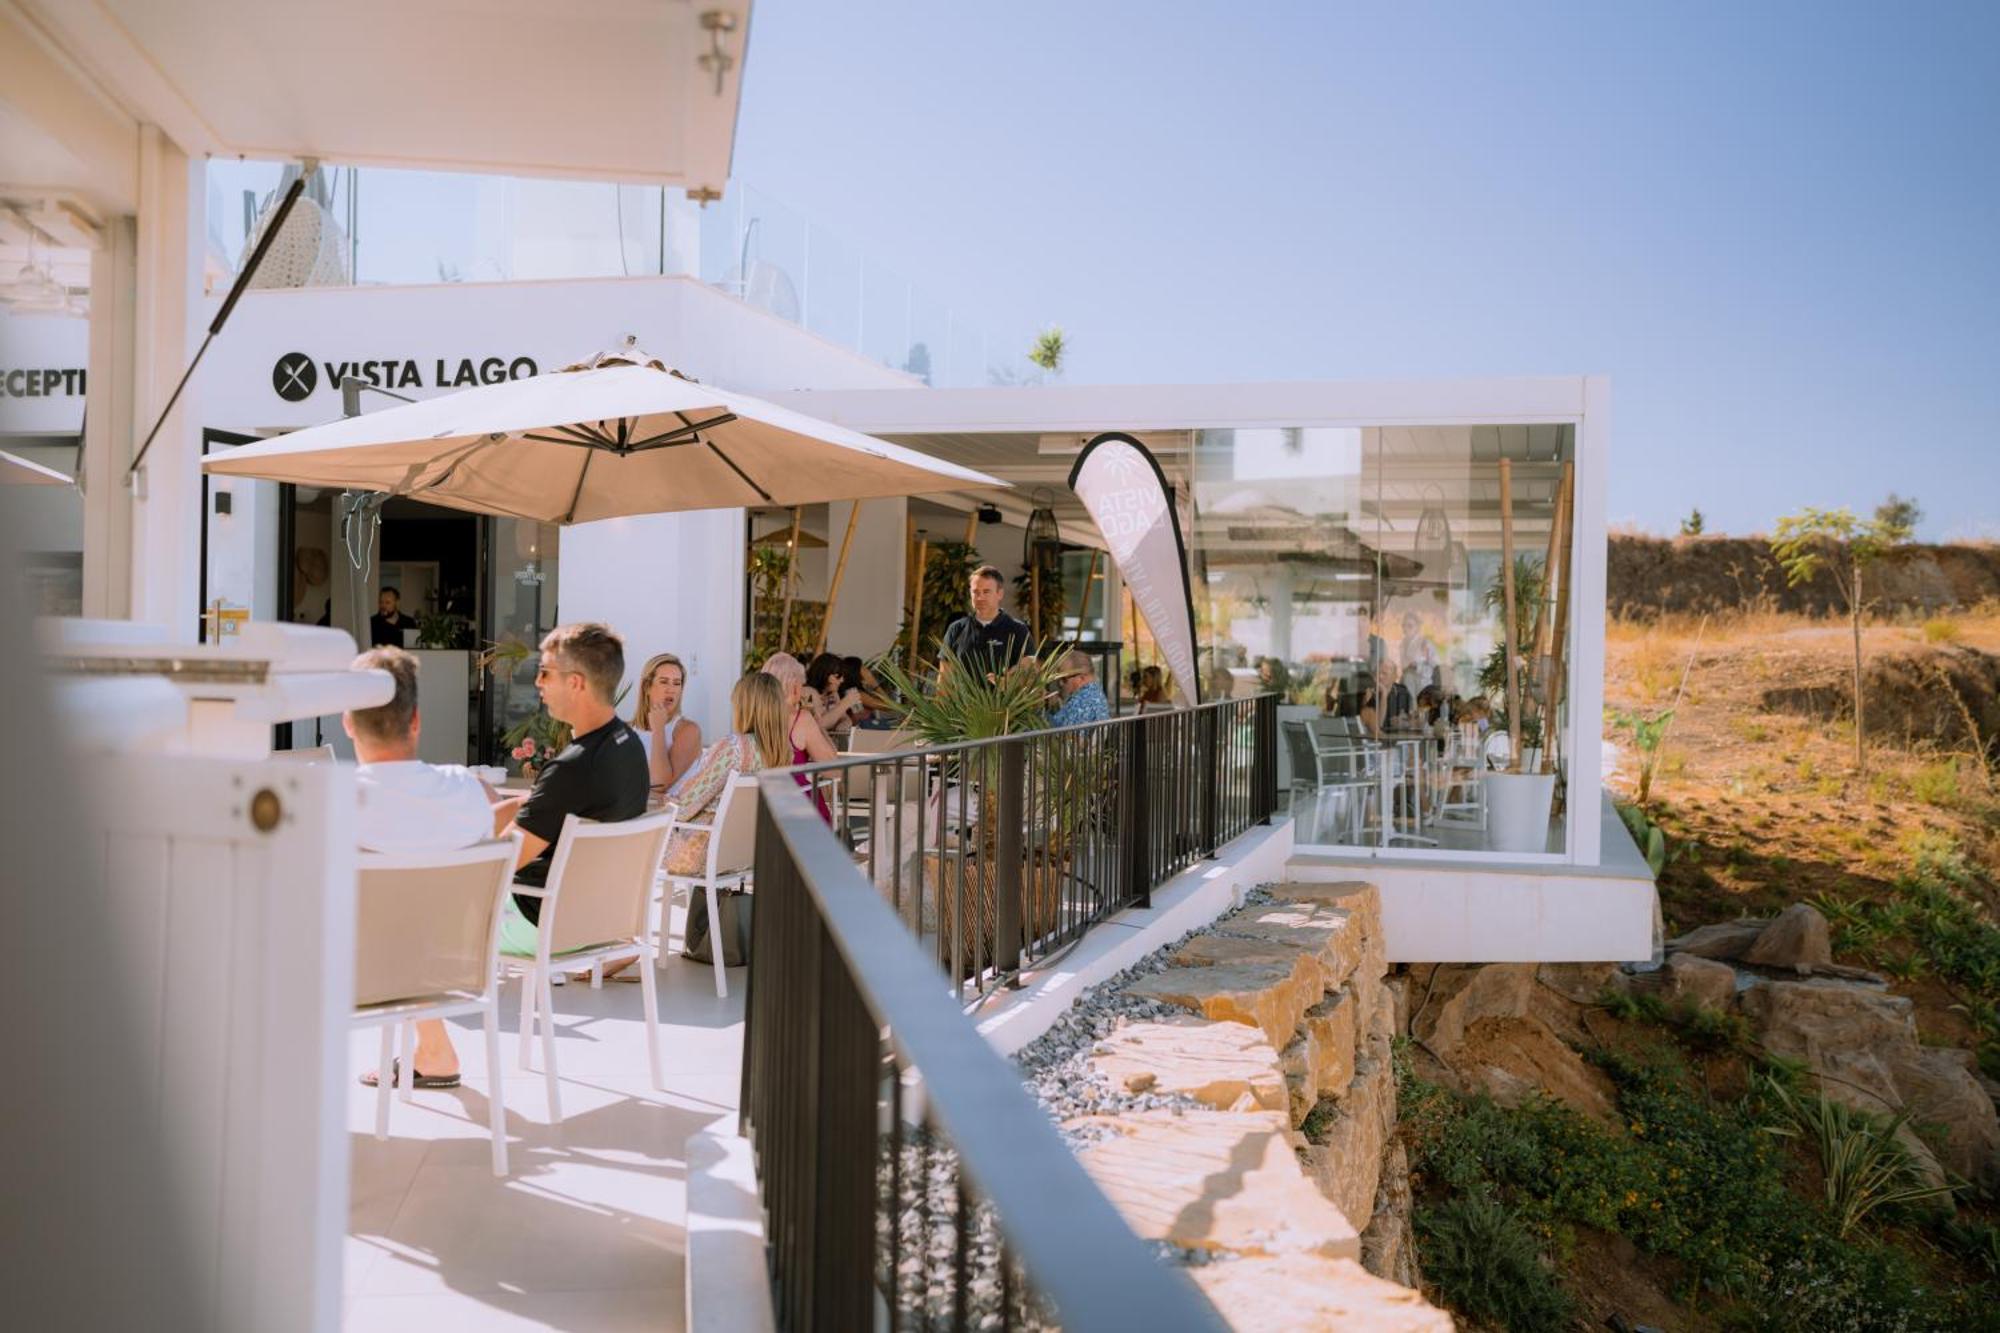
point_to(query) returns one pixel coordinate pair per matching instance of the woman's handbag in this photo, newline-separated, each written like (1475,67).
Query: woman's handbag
(734,906)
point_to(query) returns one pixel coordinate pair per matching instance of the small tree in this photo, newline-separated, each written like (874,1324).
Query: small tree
(1898,518)
(1694,525)
(1049,349)
(1844,546)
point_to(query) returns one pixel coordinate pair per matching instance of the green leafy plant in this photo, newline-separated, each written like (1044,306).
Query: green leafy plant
(1863,1165)
(770,566)
(1652,839)
(1694,524)
(1486,1264)
(437,630)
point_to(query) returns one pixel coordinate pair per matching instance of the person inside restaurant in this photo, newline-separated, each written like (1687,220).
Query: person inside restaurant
(386,626)
(987,636)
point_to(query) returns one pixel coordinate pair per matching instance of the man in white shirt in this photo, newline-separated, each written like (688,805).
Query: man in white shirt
(407,805)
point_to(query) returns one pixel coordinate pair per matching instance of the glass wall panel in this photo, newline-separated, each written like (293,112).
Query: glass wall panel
(1358,572)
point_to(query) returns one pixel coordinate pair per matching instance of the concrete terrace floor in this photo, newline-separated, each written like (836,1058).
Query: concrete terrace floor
(587,1232)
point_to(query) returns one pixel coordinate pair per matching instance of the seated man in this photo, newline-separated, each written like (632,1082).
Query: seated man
(1082,697)
(407,805)
(602,774)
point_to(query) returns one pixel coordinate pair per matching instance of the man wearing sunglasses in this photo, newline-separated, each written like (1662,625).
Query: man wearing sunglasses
(1082,697)
(602,774)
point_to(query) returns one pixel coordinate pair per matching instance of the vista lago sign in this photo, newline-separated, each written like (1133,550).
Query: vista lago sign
(296,375)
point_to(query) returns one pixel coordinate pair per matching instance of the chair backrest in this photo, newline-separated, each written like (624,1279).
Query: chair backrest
(876,740)
(312,754)
(732,846)
(425,922)
(600,880)
(1299,746)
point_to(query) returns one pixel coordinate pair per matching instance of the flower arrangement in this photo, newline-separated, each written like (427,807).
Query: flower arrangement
(535,740)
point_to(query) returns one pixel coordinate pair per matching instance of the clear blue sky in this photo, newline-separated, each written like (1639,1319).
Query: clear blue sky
(1776,226)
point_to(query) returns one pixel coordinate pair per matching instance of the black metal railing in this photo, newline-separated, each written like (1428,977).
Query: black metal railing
(908,1180)
(998,853)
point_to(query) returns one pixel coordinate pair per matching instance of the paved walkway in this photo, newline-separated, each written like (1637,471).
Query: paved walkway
(586,1234)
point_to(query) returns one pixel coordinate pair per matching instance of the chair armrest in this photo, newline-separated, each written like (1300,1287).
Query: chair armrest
(527,891)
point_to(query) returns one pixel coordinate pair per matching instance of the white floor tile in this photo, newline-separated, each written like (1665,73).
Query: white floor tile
(586,1233)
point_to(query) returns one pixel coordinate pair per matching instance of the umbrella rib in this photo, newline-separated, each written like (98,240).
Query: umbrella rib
(761,492)
(570,514)
(688,434)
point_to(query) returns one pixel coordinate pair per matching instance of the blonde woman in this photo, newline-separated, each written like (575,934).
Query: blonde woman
(757,741)
(673,742)
(803,732)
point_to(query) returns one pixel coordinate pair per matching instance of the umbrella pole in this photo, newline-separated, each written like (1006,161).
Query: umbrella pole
(917,610)
(791,570)
(839,568)
(971,526)
(1507,644)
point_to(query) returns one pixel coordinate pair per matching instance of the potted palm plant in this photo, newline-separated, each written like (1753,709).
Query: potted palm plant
(964,702)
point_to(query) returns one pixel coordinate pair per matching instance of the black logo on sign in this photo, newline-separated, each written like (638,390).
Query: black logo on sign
(294,377)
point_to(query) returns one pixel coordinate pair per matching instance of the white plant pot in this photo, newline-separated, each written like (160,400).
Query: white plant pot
(1517,810)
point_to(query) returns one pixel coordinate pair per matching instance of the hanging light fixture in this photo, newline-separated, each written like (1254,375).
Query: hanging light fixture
(1434,525)
(1042,533)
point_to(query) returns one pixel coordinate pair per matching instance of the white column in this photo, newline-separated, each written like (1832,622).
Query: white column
(107,433)
(1281,612)
(669,583)
(166,496)
(870,608)
(1586,636)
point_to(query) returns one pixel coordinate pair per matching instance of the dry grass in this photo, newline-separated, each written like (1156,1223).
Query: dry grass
(1770,800)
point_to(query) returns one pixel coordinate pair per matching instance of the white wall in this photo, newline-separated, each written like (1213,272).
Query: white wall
(669,583)
(870,608)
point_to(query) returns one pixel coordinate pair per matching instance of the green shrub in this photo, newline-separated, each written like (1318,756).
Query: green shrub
(1863,1165)
(1936,784)
(1699,1182)
(1486,1265)
(1941,629)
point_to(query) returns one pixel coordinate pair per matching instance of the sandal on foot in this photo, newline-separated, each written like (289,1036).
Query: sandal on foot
(418,1079)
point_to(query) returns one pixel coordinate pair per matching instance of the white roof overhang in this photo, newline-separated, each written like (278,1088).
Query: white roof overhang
(615,90)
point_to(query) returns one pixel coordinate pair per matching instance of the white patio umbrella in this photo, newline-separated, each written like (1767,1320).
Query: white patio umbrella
(18,471)
(618,434)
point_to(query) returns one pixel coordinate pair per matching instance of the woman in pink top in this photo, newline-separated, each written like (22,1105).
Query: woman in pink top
(804,733)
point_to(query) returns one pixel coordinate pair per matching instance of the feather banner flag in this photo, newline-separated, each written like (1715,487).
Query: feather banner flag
(1121,484)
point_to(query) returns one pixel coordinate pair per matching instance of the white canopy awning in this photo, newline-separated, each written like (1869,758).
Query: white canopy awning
(640,91)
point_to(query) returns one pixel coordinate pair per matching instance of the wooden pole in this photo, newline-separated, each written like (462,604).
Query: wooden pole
(971,526)
(1507,644)
(839,568)
(791,572)
(1089,578)
(917,611)
(1559,639)
(1035,596)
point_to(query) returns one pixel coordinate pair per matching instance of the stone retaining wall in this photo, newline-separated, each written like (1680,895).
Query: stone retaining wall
(1265,1163)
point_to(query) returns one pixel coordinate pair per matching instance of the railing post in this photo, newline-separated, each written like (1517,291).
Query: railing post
(1208,760)
(1136,833)
(1264,756)
(1008,851)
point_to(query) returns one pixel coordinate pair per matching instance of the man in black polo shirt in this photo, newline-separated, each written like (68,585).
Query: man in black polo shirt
(989,637)
(601,775)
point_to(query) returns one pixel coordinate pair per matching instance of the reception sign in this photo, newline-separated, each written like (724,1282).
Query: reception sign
(1121,484)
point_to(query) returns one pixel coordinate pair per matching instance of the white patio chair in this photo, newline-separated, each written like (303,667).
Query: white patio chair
(426,945)
(594,910)
(1462,795)
(732,847)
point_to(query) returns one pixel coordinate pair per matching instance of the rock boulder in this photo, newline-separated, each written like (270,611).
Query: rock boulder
(1797,939)
(1728,940)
